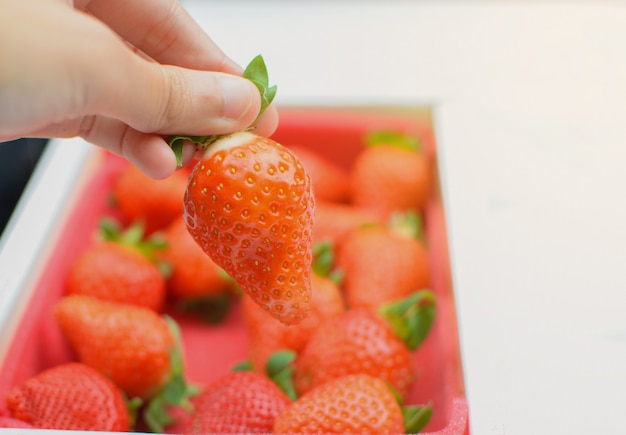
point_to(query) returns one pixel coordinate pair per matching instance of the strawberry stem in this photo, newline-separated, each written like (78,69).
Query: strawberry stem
(175,392)
(256,72)
(411,318)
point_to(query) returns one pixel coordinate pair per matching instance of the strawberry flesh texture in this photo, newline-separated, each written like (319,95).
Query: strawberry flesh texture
(72,396)
(350,404)
(249,205)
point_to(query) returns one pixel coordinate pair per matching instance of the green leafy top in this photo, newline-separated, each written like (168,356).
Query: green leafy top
(394,138)
(411,318)
(176,391)
(256,72)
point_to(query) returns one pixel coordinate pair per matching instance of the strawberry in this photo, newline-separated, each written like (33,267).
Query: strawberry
(266,336)
(330,181)
(249,205)
(239,402)
(71,396)
(358,341)
(133,346)
(332,220)
(382,263)
(119,269)
(195,282)
(155,202)
(361,341)
(391,175)
(349,404)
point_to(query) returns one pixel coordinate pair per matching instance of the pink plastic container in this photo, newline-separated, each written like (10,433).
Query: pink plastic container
(212,350)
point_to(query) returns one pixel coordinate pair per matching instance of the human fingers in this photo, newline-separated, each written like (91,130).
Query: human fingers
(165,31)
(149,152)
(267,123)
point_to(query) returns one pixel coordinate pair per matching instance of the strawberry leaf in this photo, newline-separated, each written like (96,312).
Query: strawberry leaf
(279,369)
(132,405)
(407,224)
(110,230)
(416,417)
(175,392)
(256,72)
(243,366)
(393,138)
(411,318)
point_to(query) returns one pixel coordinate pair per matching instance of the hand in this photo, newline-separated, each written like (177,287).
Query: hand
(122,74)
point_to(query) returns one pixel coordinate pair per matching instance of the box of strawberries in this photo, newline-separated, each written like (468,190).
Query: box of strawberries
(133,326)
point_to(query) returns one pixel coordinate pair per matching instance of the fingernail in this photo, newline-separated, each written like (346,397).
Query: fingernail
(236,96)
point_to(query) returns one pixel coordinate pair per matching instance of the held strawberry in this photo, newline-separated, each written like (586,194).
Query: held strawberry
(71,396)
(249,204)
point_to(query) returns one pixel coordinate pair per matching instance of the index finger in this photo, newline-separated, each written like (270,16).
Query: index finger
(165,31)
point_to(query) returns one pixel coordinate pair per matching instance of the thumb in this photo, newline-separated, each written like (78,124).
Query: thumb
(171,100)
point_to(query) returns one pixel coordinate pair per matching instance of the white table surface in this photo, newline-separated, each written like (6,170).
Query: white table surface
(531,119)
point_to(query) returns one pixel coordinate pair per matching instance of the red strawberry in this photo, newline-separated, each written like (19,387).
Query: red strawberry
(14,423)
(155,202)
(193,275)
(358,341)
(387,178)
(349,404)
(133,346)
(381,264)
(239,402)
(265,336)
(117,270)
(330,181)
(332,220)
(249,205)
(72,396)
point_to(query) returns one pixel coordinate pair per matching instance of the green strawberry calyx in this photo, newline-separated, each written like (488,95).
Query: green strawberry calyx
(134,237)
(414,417)
(392,138)
(256,72)
(411,318)
(407,224)
(324,262)
(175,392)
(278,368)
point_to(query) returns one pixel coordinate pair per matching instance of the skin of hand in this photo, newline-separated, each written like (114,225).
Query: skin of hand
(122,74)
